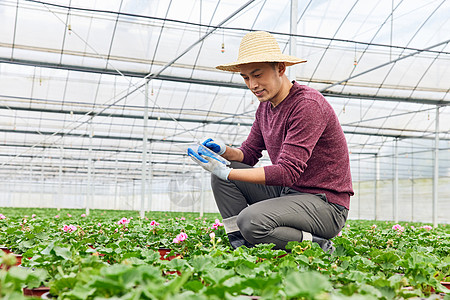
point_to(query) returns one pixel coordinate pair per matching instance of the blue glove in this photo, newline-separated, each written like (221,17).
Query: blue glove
(216,146)
(208,162)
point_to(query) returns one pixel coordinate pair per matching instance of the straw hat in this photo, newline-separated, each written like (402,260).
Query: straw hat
(259,46)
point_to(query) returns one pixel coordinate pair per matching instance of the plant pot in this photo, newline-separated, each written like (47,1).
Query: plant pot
(5,249)
(18,259)
(163,252)
(36,292)
(47,295)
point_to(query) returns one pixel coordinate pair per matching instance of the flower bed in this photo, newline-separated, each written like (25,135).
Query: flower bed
(181,256)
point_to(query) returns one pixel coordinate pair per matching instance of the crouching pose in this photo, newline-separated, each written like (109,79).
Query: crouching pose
(305,193)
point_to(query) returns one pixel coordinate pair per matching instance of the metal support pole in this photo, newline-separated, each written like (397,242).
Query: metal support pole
(30,179)
(412,182)
(42,190)
(116,183)
(292,39)
(58,201)
(89,196)
(144,155)
(375,187)
(150,181)
(395,204)
(202,196)
(359,186)
(436,169)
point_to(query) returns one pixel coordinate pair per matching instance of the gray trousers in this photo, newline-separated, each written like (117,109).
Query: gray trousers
(275,214)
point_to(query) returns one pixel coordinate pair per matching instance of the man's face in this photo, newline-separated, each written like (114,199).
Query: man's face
(264,80)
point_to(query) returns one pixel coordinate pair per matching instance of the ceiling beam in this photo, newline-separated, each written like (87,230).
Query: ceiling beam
(216,83)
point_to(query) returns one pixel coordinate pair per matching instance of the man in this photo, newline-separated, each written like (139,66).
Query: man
(305,193)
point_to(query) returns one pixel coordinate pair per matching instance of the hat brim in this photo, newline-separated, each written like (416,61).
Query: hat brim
(235,66)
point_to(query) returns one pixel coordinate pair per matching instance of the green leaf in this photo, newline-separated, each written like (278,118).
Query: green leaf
(201,263)
(307,284)
(63,252)
(194,286)
(178,264)
(217,275)
(79,292)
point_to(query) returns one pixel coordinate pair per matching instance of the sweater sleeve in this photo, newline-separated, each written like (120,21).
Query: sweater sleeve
(253,146)
(306,124)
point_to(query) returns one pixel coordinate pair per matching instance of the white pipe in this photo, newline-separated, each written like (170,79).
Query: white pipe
(89,196)
(436,169)
(375,187)
(292,39)
(150,181)
(116,170)
(144,155)
(395,208)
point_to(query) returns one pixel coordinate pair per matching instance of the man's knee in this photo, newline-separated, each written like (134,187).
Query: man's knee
(252,225)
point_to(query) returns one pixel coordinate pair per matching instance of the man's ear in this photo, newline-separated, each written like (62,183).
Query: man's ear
(281,68)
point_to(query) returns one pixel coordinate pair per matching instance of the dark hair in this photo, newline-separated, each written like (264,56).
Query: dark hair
(274,64)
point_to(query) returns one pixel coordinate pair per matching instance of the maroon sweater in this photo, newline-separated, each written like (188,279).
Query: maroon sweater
(305,143)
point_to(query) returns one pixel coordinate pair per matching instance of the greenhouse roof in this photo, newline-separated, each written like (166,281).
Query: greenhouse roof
(75,75)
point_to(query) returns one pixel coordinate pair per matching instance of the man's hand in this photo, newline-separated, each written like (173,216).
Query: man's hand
(216,146)
(209,163)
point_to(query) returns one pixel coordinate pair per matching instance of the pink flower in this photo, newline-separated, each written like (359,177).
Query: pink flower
(216,224)
(154,223)
(374,226)
(2,216)
(340,233)
(57,216)
(69,228)
(212,235)
(348,225)
(123,221)
(398,227)
(33,216)
(181,237)
(412,227)
(99,224)
(183,218)
(427,227)
(116,230)
(69,215)
(83,215)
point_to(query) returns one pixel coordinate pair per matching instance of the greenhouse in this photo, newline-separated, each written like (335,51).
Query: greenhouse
(100,100)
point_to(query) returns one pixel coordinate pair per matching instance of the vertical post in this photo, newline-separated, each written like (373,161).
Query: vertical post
(42,182)
(144,155)
(436,169)
(89,193)
(292,39)
(116,183)
(30,178)
(58,201)
(395,204)
(375,186)
(359,186)
(412,181)
(202,196)
(150,181)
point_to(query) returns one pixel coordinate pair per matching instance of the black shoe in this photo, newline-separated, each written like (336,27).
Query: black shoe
(325,244)
(236,240)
